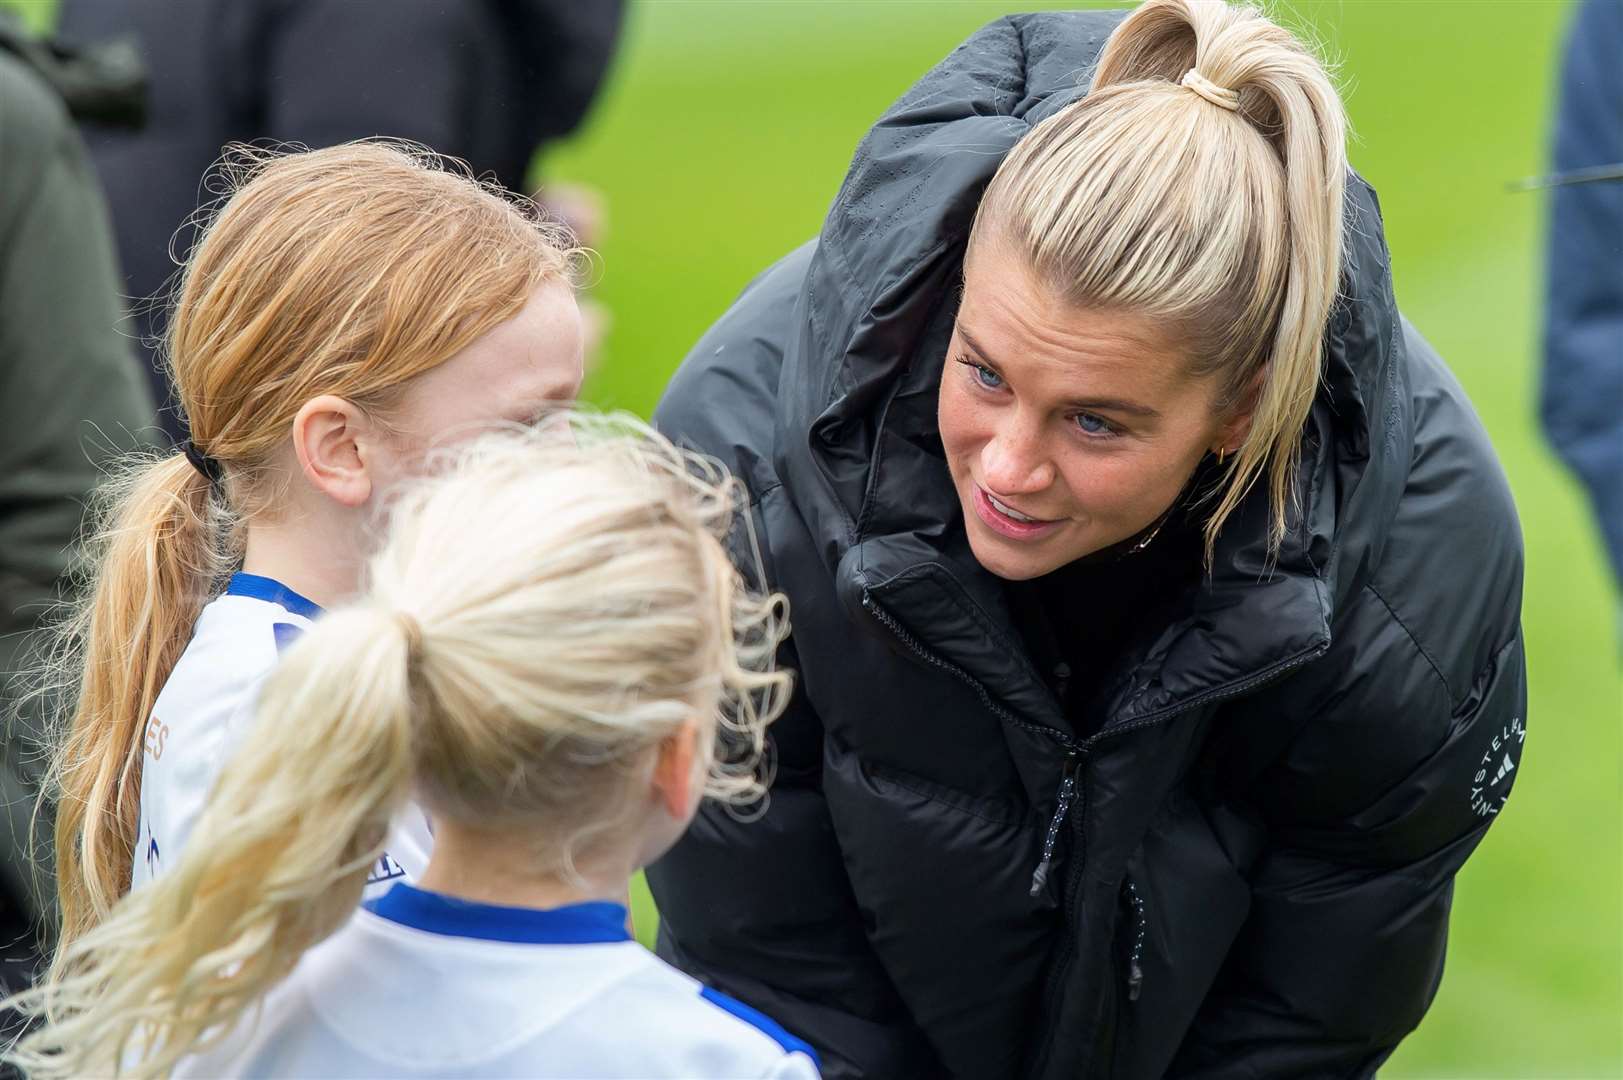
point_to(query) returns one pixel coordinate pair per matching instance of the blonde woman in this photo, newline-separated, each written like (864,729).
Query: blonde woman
(554,704)
(346,309)
(1156,588)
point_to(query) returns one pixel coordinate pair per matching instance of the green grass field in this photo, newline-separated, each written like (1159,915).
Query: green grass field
(725,131)
(721,139)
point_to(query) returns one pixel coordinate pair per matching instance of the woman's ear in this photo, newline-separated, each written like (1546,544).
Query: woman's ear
(677,779)
(1231,434)
(330,437)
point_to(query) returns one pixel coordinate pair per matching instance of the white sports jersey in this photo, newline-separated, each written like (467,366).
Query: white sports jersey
(206,708)
(422,985)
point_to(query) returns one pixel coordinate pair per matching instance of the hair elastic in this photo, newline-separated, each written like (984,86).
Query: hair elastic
(211,469)
(413,631)
(1221,96)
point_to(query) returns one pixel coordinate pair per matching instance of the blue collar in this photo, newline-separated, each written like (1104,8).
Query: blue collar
(590,923)
(264,588)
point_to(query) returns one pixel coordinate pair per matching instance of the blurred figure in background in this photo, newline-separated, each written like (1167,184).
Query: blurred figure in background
(487,81)
(70,397)
(1583,333)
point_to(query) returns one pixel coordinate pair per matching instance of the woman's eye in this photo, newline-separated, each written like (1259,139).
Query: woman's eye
(983,375)
(1094,425)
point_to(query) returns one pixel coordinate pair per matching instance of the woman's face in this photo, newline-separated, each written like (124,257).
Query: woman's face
(1066,430)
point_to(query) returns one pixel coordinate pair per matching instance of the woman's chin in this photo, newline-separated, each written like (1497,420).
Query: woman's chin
(1005,558)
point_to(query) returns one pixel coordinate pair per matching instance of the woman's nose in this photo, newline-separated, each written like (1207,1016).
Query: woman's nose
(1014,462)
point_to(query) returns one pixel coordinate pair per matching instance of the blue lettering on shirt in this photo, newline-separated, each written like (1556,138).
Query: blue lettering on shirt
(385,869)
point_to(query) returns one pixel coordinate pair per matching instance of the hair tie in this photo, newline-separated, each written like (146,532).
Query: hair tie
(1221,96)
(210,468)
(413,630)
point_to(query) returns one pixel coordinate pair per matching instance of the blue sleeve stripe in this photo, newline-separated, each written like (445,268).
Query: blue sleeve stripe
(286,634)
(762,1023)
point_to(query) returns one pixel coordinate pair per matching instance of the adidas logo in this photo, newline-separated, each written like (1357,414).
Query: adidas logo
(1506,767)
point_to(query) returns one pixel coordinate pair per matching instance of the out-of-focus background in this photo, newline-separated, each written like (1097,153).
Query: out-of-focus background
(722,134)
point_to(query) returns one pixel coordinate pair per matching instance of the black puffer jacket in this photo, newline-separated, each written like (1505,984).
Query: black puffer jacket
(1253,850)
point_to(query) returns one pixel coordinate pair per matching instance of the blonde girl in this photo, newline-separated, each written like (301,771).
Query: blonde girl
(345,309)
(554,704)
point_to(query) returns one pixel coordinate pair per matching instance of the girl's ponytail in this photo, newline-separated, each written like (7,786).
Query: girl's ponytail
(277,862)
(156,556)
(347,270)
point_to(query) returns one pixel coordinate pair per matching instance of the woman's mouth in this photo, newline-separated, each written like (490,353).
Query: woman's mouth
(1005,520)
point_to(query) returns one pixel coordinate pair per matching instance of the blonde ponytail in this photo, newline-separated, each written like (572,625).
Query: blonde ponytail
(156,557)
(1200,183)
(277,863)
(546,611)
(346,271)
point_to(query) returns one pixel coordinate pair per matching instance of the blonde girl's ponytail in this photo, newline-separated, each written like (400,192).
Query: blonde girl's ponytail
(157,554)
(277,863)
(1199,183)
(572,607)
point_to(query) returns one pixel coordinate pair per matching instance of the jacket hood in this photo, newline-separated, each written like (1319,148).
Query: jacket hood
(859,451)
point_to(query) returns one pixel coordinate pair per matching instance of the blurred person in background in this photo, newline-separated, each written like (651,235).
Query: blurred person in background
(70,399)
(487,81)
(1157,591)
(1583,332)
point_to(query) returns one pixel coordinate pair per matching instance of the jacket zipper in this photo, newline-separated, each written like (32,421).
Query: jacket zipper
(1074,751)
(1073,779)
(1062,807)
(900,632)
(1135,969)
(1070,778)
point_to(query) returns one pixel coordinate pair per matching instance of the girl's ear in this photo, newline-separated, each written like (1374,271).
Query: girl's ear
(677,781)
(330,437)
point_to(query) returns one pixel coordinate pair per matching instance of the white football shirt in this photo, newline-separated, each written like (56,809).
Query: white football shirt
(418,984)
(206,708)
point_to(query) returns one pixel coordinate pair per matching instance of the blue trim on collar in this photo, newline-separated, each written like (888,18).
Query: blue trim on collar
(762,1023)
(269,589)
(590,923)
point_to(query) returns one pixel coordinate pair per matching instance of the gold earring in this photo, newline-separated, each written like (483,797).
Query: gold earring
(1222,452)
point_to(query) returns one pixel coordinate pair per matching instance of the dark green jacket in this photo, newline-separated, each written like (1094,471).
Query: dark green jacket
(70,393)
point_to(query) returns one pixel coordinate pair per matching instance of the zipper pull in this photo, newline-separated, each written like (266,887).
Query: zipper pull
(1062,680)
(1067,795)
(1135,971)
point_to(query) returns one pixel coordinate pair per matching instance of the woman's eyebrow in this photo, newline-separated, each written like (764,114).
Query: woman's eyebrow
(1105,404)
(1118,405)
(974,346)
